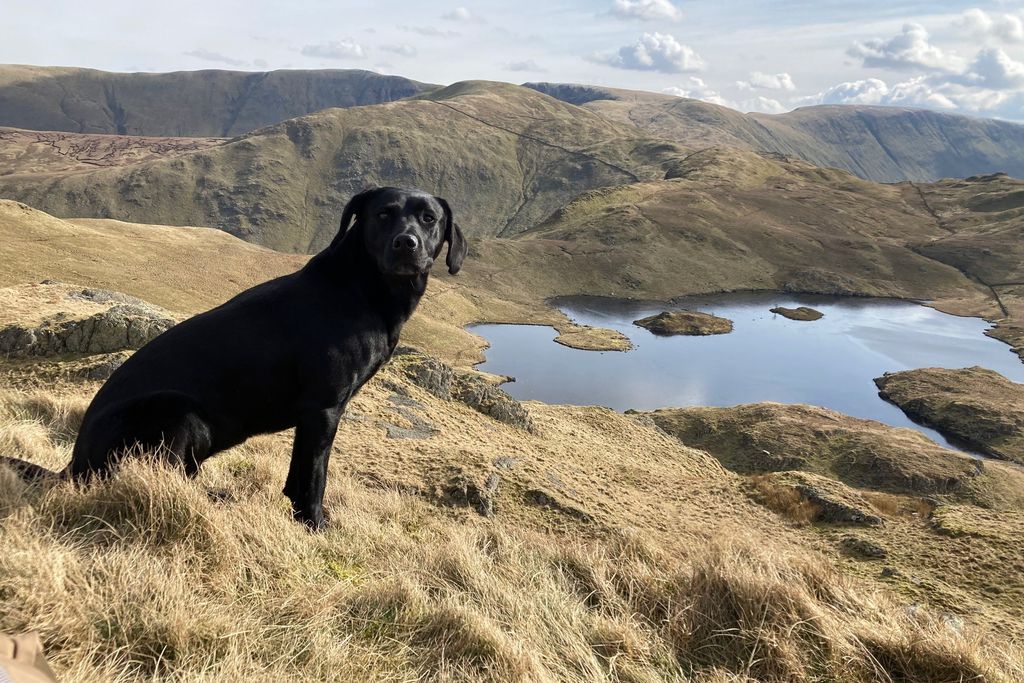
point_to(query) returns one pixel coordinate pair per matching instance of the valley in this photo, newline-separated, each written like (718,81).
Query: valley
(476,534)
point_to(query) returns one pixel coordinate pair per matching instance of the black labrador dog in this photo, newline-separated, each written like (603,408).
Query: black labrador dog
(290,352)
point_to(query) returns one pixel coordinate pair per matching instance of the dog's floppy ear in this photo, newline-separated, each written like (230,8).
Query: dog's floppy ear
(352,209)
(457,245)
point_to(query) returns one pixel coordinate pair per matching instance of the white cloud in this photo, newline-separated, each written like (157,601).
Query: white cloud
(403,49)
(780,81)
(696,89)
(335,49)
(655,52)
(430,31)
(921,91)
(979,23)
(208,56)
(992,68)
(991,84)
(462,14)
(911,48)
(525,65)
(646,10)
(867,91)
(765,105)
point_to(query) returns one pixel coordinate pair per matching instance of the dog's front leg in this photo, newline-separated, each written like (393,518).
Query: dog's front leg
(307,474)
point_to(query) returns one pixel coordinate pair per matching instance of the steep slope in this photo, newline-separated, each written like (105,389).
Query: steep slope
(728,219)
(885,144)
(506,157)
(209,103)
(889,144)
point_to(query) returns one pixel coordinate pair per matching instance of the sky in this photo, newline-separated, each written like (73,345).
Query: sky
(751,55)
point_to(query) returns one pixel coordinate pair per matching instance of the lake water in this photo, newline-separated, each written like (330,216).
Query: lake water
(829,362)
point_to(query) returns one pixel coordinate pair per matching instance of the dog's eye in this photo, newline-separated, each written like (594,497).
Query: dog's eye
(384,215)
(429,218)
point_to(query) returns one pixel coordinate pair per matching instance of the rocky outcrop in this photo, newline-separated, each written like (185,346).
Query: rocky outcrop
(589,338)
(862,548)
(835,503)
(803,313)
(773,437)
(975,406)
(444,382)
(804,497)
(695,323)
(124,323)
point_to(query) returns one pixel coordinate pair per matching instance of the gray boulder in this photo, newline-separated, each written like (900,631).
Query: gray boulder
(445,382)
(128,323)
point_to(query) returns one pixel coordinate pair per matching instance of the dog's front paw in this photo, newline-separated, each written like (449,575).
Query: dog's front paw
(314,519)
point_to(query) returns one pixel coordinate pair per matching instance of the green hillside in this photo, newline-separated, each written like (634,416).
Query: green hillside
(506,156)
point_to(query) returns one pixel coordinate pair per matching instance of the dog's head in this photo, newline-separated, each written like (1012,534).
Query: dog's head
(403,230)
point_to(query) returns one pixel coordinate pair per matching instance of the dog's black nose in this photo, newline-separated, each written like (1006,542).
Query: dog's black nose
(405,242)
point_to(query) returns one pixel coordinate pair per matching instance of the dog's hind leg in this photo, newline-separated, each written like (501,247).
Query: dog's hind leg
(168,424)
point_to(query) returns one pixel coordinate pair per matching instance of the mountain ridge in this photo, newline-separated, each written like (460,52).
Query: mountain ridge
(880,143)
(507,156)
(204,103)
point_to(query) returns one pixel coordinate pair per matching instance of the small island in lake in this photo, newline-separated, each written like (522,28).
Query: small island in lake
(800,313)
(685,322)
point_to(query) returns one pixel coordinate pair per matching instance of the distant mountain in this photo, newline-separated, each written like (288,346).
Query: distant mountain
(884,144)
(209,103)
(505,156)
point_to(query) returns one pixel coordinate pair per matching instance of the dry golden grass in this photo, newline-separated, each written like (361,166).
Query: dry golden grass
(150,576)
(783,499)
(894,505)
(199,268)
(29,305)
(615,552)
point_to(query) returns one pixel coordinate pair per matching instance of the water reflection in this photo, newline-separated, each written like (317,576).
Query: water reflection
(830,362)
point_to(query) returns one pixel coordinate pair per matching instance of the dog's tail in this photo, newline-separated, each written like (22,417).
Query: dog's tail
(30,471)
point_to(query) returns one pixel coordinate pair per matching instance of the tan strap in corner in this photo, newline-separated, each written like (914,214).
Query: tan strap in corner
(22,661)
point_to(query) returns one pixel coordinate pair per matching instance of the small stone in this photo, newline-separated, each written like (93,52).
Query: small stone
(855,546)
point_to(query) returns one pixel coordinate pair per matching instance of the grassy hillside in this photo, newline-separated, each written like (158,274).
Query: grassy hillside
(885,144)
(732,220)
(985,240)
(506,157)
(594,547)
(209,103)
(188,270)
